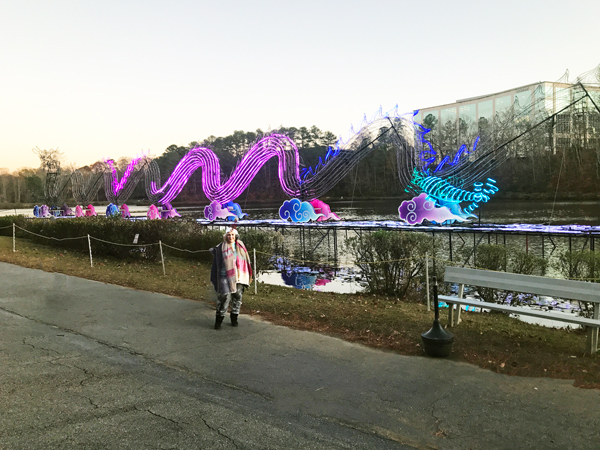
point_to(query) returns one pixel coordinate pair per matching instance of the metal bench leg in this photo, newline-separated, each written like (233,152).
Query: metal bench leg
(451,314)
(461,293)
(592,333)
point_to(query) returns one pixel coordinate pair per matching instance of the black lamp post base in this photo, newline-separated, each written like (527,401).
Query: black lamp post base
(437,342)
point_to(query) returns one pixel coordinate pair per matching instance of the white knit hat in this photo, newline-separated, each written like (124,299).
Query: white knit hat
(231,230)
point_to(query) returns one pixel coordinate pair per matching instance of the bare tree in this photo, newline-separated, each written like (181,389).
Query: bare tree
(50,163)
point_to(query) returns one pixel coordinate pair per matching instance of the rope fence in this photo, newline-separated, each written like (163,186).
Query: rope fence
(50,237)
(427,258)
(184,250)
(123,245)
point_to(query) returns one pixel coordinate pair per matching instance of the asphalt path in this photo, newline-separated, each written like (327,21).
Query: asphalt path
(88,365)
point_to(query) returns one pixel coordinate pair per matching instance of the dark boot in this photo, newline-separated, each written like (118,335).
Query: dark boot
(218,322)
(234,322)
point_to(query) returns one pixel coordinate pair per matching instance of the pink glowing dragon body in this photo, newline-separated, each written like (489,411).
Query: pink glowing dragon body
(306,184)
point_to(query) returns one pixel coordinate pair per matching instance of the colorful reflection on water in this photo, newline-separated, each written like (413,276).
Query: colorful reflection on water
(313,277)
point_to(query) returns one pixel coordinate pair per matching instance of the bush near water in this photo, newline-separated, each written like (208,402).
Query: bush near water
(584,265)
(393,262)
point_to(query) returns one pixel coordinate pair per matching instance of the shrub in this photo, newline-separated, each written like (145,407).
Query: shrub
(491,257)
(392,262)
(110,236)
(527,263)
(7,221)
(583,265)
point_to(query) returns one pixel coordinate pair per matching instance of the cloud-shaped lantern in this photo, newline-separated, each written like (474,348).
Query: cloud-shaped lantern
(298,211)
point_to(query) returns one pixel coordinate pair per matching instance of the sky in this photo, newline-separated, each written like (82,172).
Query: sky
(111,79)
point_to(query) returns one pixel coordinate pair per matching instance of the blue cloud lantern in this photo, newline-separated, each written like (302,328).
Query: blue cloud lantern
(298,211)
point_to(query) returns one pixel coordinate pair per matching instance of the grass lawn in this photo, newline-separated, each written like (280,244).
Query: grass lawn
(492,341)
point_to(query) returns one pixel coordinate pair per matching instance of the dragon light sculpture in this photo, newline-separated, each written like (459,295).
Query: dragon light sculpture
(305,185)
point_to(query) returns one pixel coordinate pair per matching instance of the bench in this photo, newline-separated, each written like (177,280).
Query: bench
(526,284)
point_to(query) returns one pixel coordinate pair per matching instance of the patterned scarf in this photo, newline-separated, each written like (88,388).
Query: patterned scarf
(237,270)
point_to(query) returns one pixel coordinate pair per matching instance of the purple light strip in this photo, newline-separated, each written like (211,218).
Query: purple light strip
(119,185)
(199,157)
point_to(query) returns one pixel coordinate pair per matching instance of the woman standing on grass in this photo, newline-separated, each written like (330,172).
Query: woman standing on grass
(231,272)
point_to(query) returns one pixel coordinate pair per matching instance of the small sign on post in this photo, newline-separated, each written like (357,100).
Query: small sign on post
(135,238)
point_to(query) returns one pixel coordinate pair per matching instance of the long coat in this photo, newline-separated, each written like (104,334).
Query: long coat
(217,253)
(215,270)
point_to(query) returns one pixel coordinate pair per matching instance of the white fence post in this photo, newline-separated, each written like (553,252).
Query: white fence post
(14,237)
(255,272)
(427,280)
(90,247)
(162,258)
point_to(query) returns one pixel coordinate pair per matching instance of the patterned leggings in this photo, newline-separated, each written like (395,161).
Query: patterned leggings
(235,298)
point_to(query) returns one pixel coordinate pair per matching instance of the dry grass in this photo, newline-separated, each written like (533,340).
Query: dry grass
(492,341)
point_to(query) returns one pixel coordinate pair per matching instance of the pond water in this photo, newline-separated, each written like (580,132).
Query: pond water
(494,212)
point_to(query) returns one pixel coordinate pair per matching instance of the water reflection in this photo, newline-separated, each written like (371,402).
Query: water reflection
(299,280)
(312,277)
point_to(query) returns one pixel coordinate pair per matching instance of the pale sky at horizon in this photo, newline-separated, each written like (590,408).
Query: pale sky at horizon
(115,78)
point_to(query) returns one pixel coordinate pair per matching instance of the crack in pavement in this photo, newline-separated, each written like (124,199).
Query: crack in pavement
(219,432)
(439,432)
(162,417)
(35,347)
(92,402)
(88,374)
